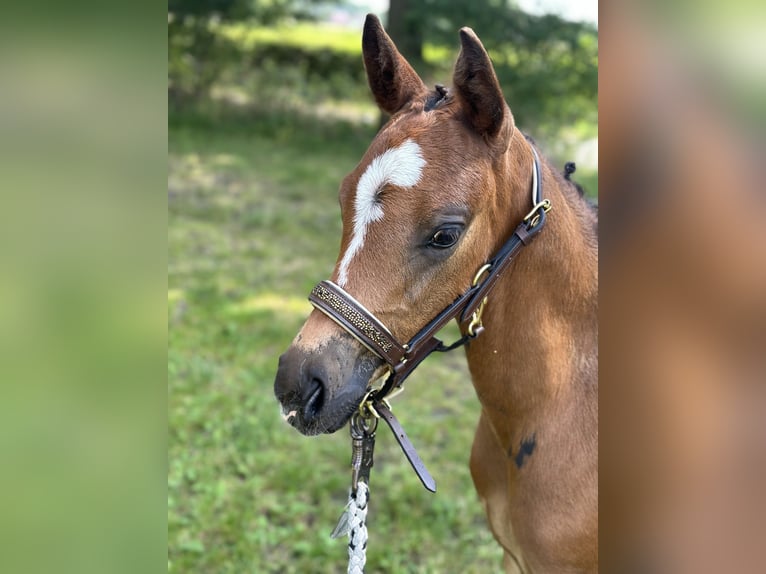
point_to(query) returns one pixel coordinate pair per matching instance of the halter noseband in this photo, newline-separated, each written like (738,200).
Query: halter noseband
(402,359)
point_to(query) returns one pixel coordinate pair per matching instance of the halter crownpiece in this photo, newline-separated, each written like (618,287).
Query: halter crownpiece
(402,359)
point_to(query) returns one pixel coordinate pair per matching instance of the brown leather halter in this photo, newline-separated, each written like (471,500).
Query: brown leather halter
(402,359)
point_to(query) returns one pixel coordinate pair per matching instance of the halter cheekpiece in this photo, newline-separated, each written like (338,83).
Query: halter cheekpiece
(402,358)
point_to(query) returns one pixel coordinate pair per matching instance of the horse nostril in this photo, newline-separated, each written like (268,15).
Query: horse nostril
(314,393)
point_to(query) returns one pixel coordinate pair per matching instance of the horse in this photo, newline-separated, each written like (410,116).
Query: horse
(440,189)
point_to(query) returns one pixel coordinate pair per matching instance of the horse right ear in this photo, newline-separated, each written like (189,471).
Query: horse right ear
(477,87)
(392,80)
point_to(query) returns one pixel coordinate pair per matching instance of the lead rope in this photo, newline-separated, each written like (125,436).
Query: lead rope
(353,521)
(357,535)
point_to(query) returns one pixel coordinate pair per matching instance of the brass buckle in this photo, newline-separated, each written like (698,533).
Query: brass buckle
(533,217)
(366,408)
(475,326)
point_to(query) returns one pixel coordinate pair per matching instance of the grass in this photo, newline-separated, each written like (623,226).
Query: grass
(253,224)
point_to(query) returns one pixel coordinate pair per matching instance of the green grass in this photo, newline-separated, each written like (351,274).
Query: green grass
(253,224)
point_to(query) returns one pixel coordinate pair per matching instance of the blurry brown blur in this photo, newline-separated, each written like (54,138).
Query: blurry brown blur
(683,288)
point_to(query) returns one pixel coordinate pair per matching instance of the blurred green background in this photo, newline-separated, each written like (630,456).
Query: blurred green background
(268,110)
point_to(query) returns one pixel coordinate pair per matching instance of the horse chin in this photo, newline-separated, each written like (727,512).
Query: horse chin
(342,418)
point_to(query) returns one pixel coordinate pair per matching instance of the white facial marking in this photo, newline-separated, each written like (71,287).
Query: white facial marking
(402,166)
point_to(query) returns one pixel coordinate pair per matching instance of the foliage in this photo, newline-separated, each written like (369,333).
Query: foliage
(195,57)
(303,35)
(206,9)
(197,54)
(548,66)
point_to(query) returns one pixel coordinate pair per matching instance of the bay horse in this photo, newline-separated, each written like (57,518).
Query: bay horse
(440,189)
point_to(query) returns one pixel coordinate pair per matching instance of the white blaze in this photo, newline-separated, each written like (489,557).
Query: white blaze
(400,166)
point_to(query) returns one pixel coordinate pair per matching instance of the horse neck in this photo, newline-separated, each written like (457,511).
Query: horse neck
(540,338)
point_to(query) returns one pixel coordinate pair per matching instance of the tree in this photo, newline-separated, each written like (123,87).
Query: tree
(196,55)
(406,30)
(548,66)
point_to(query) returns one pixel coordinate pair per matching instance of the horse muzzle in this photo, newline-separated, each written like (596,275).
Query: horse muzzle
(319,389)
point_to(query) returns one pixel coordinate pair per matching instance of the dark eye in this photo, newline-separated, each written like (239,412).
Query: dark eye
(445,237)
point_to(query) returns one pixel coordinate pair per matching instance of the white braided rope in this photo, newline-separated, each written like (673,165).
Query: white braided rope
(357,534)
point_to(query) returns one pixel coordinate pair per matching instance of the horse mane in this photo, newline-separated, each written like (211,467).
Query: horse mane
(569,168)
(439,96)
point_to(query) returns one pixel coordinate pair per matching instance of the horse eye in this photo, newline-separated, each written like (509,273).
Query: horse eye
(445,237)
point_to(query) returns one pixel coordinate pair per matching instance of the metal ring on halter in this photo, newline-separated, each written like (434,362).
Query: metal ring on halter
(482,270)
(364,424)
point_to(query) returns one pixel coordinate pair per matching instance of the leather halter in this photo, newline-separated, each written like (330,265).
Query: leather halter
(402,359)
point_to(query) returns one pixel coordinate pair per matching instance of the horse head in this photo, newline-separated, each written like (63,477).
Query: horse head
(433,196)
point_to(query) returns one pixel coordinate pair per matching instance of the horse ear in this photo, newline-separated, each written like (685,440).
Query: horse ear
(392,80)
(477,86)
